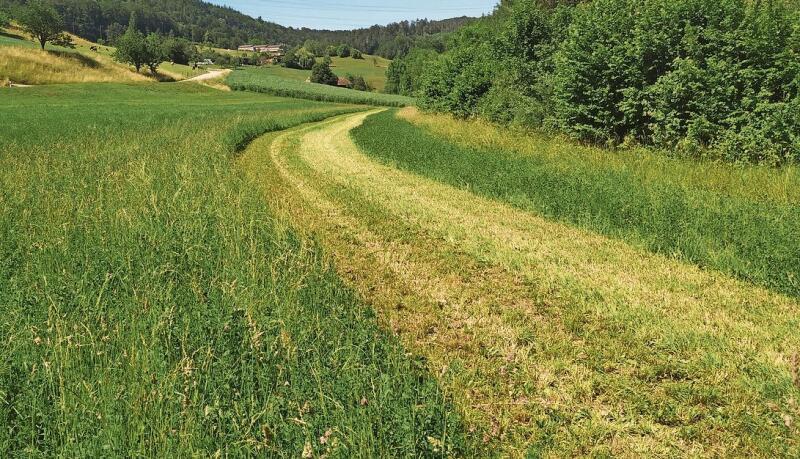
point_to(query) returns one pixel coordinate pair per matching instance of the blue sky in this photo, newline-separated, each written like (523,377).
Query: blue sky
(351,14)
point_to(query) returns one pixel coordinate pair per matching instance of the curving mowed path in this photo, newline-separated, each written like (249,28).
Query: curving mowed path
(550,339)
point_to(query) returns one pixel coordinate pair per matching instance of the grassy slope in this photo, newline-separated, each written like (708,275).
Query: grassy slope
(21,61)
(714,217)
(34,66)
(260,80)
(372,68)
(287,73)
(151,306)
(12,37)
(554,341)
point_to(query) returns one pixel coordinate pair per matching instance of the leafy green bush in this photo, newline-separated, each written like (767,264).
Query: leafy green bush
(679,73)
(299,58)
(404,74)
(321,73)
(457,82)
(358,83)
(703,77)
(5,19)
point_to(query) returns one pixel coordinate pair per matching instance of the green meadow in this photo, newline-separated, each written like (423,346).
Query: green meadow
(153,306)
(372,68)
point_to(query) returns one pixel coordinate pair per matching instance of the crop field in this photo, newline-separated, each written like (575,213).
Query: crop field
(154,306)
(558,331)
(287,73)
(260,80)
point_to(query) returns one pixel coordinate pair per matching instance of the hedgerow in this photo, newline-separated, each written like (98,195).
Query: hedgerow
(700,77)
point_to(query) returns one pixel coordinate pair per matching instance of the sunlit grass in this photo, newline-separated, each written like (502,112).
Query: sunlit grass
(554,340)
(88,62)
(34,66)
(152,306)
(741,221)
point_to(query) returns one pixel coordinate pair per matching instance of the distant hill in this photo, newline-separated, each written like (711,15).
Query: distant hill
(225,27)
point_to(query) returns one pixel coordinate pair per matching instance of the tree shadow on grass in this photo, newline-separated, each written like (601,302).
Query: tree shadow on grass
(4,33)
(77,58)
(162,78)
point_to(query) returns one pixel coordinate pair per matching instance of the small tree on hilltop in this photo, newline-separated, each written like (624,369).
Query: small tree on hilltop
(43,23)
(322,73)
(356,54)
(343,51)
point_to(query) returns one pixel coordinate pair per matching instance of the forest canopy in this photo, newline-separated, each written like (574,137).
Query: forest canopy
(225,27)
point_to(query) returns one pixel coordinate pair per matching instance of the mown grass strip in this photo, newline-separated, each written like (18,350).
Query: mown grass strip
(153,306)
(575,344)
(753,239)
(257,80)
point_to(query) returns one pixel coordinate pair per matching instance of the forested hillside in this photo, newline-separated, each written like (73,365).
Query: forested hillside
(225,27)
(704,78)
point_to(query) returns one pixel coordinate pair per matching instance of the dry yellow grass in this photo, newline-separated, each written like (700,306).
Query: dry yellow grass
(34,66)
(549,337)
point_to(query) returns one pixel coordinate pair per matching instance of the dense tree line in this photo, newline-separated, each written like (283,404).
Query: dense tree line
(224,27)
(700,77)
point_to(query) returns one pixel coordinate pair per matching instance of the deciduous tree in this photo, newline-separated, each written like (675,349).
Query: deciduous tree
(322,73)
(42,22)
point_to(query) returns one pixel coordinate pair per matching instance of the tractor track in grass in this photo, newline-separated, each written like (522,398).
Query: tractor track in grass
(548,337)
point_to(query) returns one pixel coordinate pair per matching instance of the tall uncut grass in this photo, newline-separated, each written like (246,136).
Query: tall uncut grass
(34,66)
(152,307)
(258,80)
(729,227)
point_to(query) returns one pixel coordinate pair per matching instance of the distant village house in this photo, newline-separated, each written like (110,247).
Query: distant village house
(270,49)
(343,82)
(272,52)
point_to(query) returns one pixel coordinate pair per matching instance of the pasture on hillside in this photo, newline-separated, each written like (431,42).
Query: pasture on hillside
(21,61)
(372,68)
(153,306)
